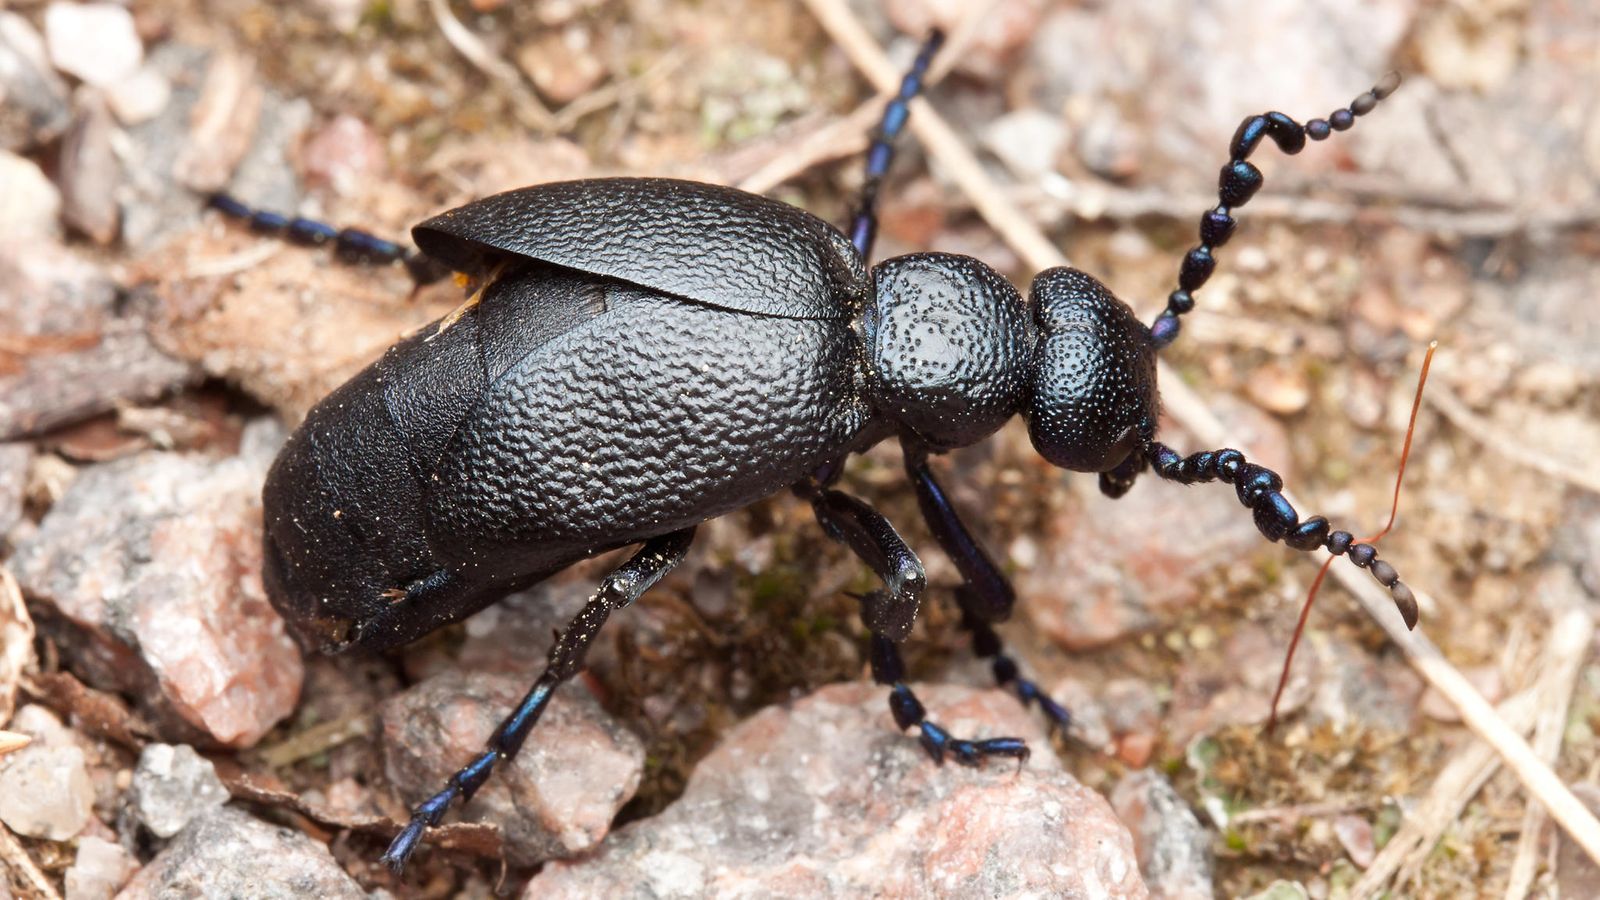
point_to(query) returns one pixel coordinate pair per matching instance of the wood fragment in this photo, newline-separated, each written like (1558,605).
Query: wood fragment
(474,838)
(1458,782)
(1576,473)
(11,742)
(16,642)
(1014,226)
(1570,637)
(25,875)
(316,739)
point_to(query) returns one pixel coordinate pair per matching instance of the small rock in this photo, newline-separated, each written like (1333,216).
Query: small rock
(1028,141)
(563,64)
(1233,685)
(1107,143)
(824,797)
(556,800)
(45,791)
(89,171)
(33,99)
(173,785)
(150,566)
(343,153)
(140,98)
(30,205)
(1174,848)
(228,853)
(1355,836)
(14,462)
(1279,387)
(100,869)
(1133,713)
(94,42)
(1355,687)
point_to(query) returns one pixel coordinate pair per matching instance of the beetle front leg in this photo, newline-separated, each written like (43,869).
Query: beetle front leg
(617,590)
(985,595)
(889,615)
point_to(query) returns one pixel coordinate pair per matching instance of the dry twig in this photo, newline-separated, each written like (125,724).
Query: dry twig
(1475,427)
(11,742)
(1458,782)
(1571,633)
(16,642)
(1025,238)
(533,113)
(24,874)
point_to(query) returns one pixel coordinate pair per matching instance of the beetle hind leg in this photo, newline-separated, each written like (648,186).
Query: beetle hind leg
(617,590)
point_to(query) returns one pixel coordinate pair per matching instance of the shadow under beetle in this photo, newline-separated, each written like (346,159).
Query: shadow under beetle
(640,355)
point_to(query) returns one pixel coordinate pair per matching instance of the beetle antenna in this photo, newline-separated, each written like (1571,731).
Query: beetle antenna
(350,245)
(1394,510)
(864,227)
(1261,489)
(1239,182)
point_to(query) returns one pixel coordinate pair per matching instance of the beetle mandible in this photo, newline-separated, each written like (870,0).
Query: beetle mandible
(637,356)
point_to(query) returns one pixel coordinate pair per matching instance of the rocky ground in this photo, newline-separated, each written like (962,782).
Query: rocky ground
(161,735)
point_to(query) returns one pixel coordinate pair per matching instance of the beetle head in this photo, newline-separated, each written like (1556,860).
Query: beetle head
(949,345)
(1094,397)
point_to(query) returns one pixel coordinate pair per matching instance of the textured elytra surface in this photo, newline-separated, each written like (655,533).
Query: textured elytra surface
(712,244)
(656,415)
(950,343)
(1096,376)
(561,415)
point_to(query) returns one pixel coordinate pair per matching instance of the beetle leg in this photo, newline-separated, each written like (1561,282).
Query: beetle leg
(619,589)
(985,595)
(1260,489)
(864,226)
(889,615)
(351,245)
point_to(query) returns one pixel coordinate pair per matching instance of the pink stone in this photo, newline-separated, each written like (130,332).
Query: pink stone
(556,800)
(825,798)
(153,564)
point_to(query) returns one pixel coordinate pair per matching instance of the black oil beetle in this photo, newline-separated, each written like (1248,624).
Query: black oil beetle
(637,356)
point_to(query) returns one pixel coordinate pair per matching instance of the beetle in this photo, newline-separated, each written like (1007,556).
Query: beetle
(636,356)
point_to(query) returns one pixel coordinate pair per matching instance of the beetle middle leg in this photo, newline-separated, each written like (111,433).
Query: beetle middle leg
(985,595)
(619,589)
(889,614)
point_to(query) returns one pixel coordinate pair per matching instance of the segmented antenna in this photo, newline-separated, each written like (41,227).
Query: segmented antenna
(1239,182)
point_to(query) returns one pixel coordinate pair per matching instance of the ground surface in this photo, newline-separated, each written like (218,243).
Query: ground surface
(147,351)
